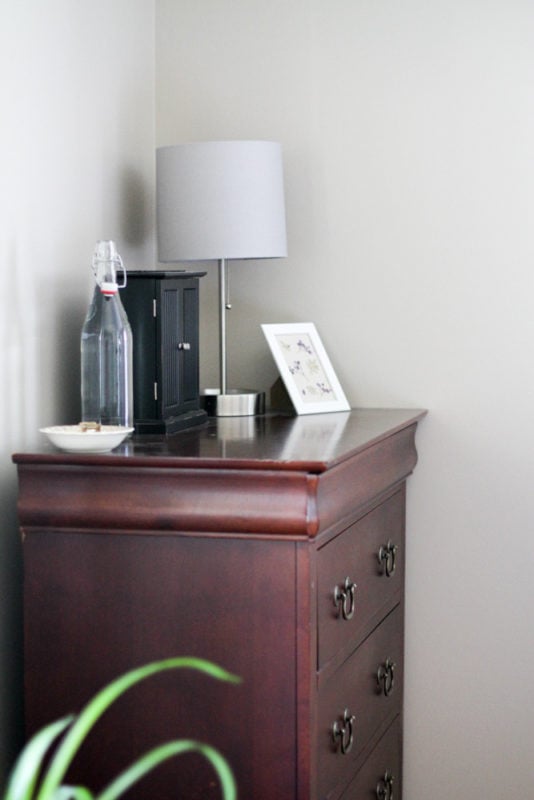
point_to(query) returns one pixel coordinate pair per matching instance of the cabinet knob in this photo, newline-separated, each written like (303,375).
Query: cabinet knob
(385,677)
(343,732)
(184,346)
(344,598)
(386,558)
(384,787)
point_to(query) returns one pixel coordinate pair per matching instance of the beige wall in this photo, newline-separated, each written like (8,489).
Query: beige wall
(76,165)
(408,130)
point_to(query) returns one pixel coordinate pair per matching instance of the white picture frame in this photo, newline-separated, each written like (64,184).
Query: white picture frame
(305,368)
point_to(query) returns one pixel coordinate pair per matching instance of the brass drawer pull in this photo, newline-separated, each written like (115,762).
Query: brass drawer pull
(343,732)
(384,787)
(386,558)
(344,598)
(385,677)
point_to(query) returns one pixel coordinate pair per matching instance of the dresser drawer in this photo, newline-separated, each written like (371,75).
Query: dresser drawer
(360,577)
(381,775)
(361,698)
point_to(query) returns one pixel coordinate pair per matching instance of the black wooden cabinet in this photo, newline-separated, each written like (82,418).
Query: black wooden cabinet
(163,311)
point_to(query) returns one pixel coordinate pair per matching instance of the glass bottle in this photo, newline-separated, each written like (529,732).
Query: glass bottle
(106,346)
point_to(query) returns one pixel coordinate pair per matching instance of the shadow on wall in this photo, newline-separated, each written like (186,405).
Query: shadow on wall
(18,411)
(67,402)
(40,361)
(11,692)
(135,210)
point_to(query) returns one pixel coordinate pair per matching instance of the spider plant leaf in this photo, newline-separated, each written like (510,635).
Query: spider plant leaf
(72,793)
(102,700)
(154,757)
(26,771)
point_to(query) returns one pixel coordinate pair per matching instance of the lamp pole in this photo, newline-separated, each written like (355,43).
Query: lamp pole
(223,305)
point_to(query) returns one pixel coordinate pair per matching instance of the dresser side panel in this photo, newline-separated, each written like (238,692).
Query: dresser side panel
(96,606)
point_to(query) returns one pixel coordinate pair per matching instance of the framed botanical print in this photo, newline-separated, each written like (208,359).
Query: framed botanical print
(305,368)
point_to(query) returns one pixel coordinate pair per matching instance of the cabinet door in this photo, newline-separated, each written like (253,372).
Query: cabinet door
(138,298)
(190,365)
(178,327)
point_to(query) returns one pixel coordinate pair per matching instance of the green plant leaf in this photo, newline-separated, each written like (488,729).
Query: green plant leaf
(72,793)
(26,770)
(159,754)
(102,700)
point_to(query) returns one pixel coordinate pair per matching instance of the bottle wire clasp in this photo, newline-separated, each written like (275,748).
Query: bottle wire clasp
(111,256)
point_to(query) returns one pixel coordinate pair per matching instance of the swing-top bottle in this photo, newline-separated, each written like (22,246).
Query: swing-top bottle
(106,346)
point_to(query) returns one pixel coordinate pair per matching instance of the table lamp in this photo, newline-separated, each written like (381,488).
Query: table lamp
(221,201)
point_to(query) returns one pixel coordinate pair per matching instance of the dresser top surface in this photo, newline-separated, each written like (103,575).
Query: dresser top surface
(312,443)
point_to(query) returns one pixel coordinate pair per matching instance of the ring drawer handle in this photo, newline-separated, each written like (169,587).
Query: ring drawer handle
(384,787)
(387,557)
(385,677)
(343,732)
(344,597)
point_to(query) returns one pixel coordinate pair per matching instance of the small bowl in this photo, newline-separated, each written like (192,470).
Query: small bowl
(73,439)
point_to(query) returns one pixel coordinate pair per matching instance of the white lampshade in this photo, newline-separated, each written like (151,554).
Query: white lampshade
(220,200)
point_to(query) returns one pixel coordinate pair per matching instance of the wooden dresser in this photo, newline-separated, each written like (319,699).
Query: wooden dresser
(272,545)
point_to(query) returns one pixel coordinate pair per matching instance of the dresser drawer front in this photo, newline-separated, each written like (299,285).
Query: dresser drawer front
(359,700)
(380,778)
(360,577)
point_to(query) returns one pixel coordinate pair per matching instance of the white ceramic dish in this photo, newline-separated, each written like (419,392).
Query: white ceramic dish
(75,440)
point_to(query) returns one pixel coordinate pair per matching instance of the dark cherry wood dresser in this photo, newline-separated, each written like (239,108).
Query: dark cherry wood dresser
(273,546)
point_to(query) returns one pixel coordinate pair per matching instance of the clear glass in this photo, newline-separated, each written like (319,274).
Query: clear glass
(106,261)
(106,357)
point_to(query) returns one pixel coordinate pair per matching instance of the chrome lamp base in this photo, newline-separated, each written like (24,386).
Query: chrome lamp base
(233,403)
